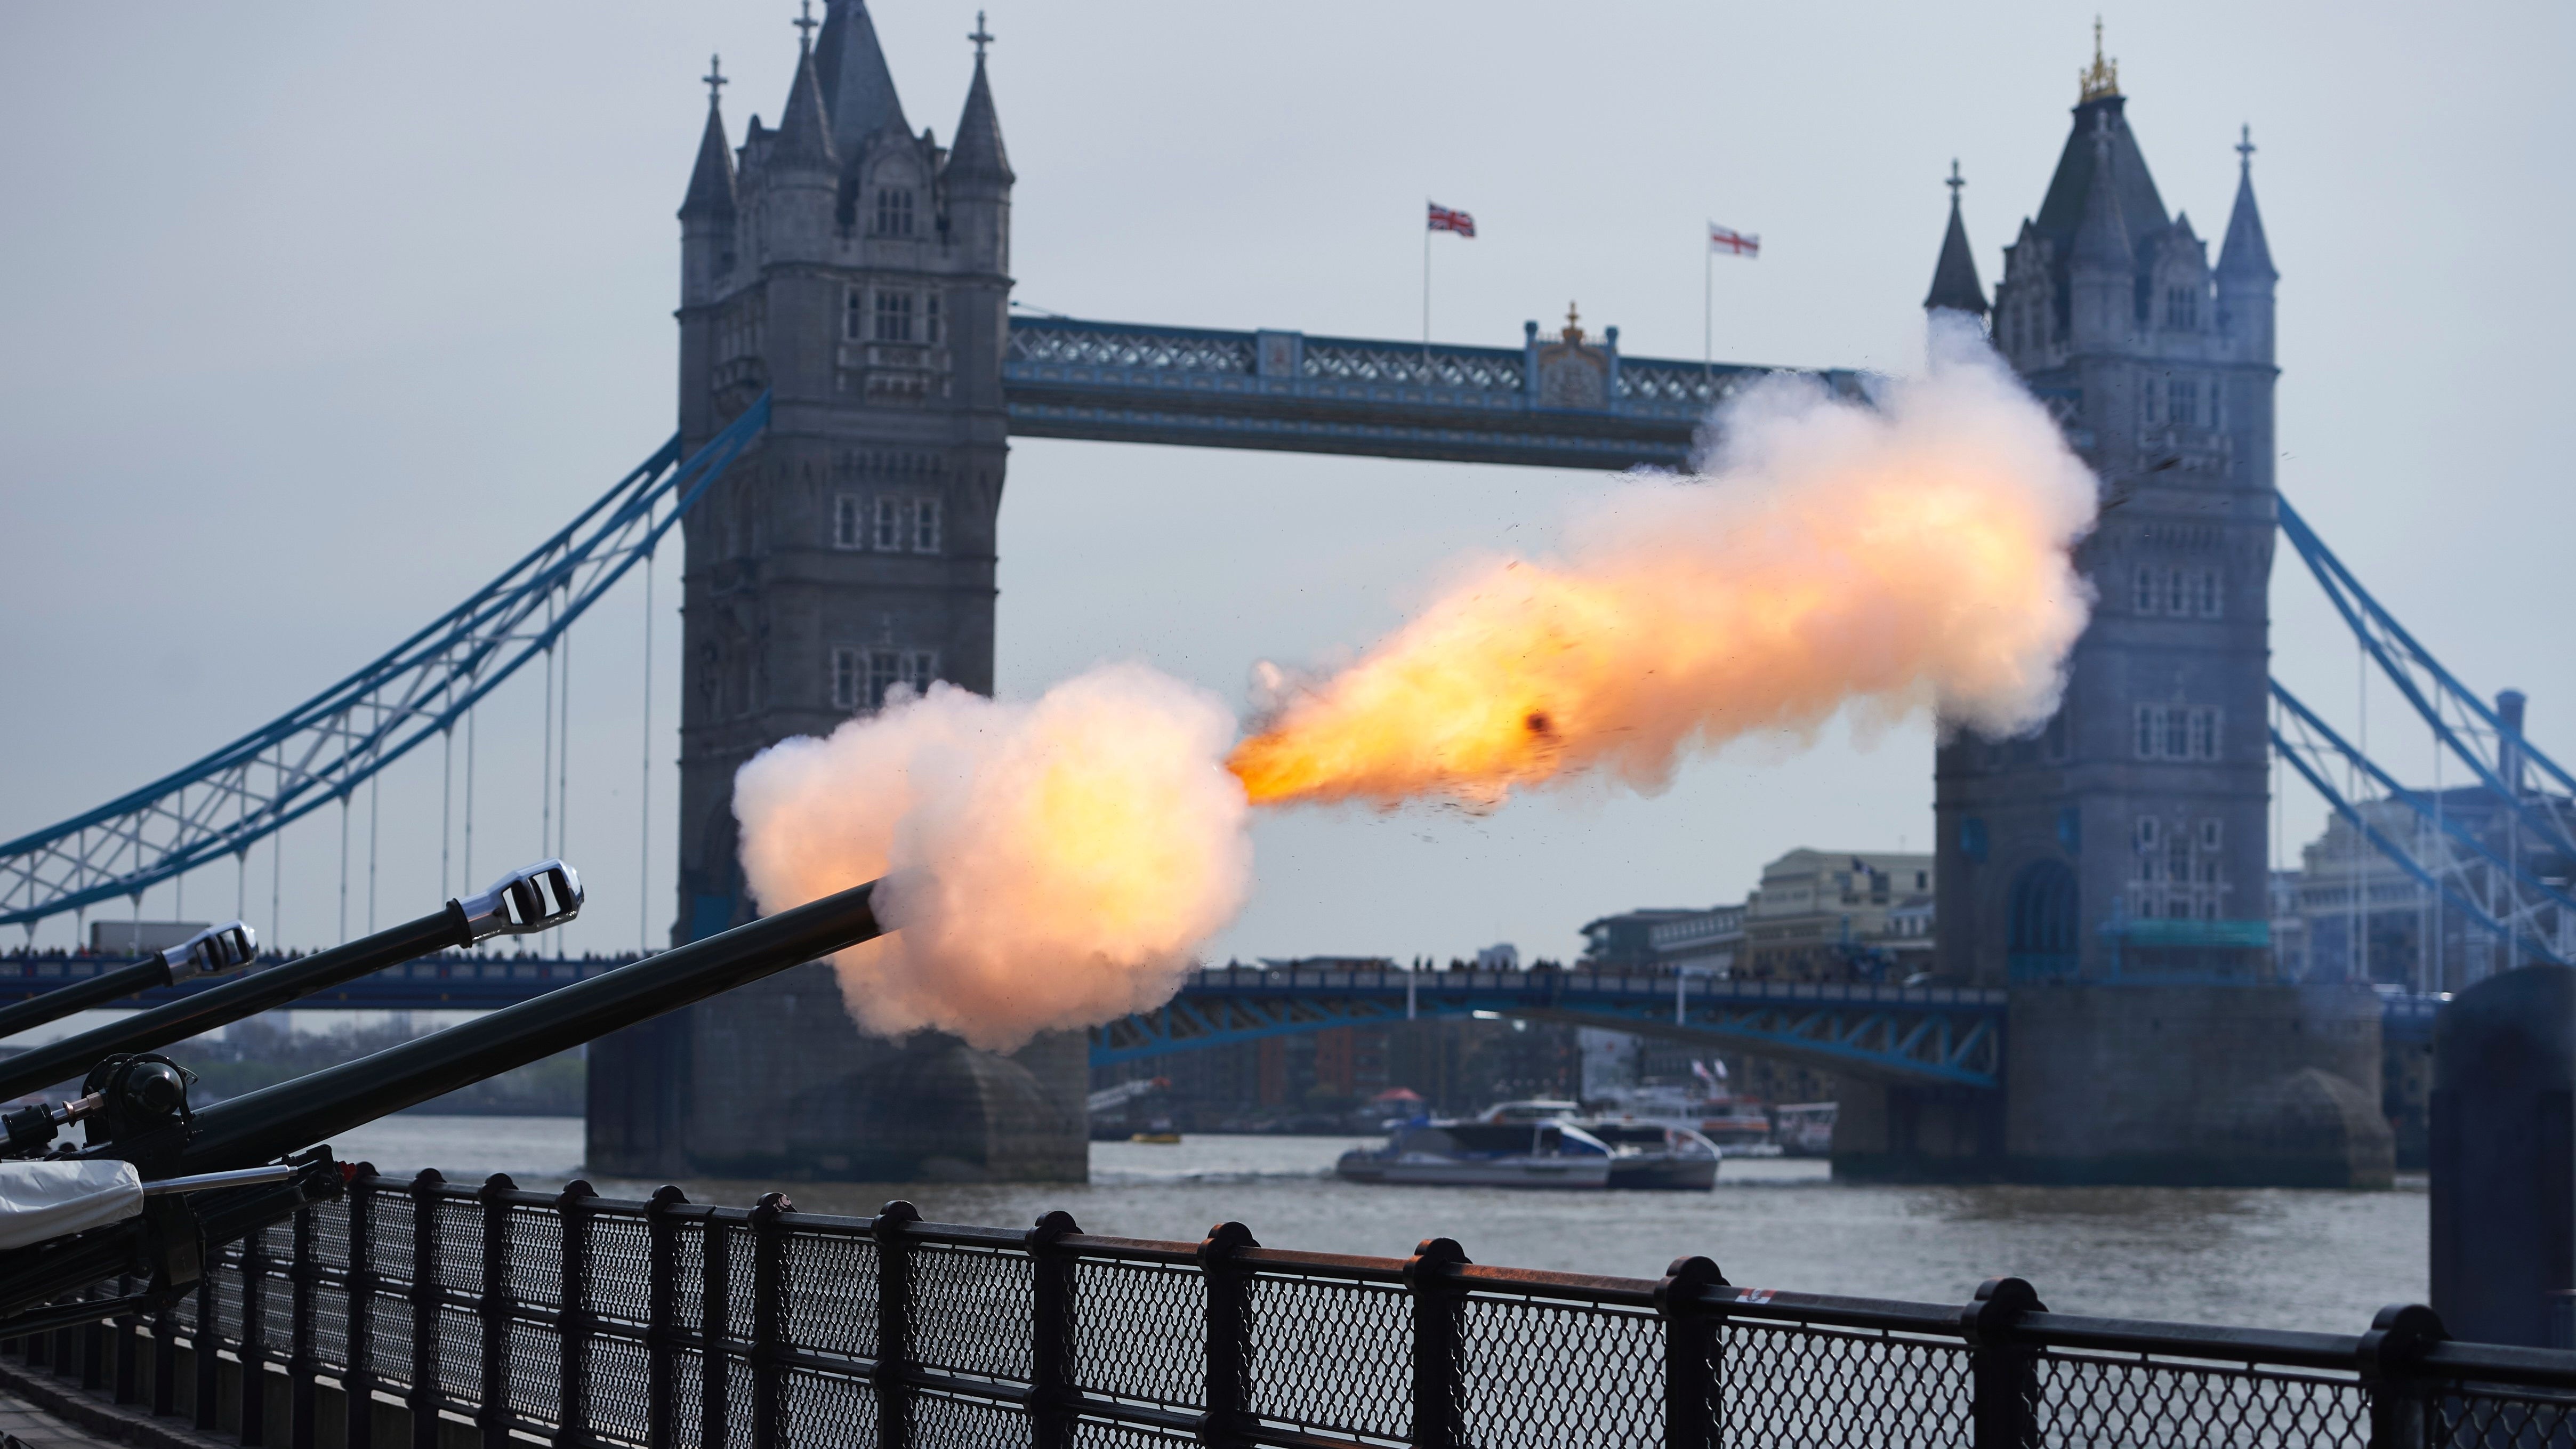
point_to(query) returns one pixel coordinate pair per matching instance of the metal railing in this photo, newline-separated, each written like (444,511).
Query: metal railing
(492,1314)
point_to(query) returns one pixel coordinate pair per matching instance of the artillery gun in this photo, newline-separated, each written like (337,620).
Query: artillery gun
(210,952)
(143,1132)
(532,898)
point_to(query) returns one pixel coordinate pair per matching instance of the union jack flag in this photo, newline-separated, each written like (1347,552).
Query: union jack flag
(1445,219)
(1732,242)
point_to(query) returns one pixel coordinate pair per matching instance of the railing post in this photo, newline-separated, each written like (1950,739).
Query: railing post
(769,1320)
(1439,1344)
(573,1320)
(165,1361)
(253,1348)
(358,1379)
(127,1335)
(302,1357)
(661,1316)
(1051,1320)
(1690,1353)
(1229,1334)
(497,1310)
(715,1367)
(202,1347)
(2003,1374)
(2401,1403)
(425,1396)
(893,1379)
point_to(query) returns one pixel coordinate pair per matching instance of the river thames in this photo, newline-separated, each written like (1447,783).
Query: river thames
(2275,1258)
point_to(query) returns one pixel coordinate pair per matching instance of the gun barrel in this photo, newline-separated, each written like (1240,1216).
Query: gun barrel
(210,952)
(276,1120)
(531,899)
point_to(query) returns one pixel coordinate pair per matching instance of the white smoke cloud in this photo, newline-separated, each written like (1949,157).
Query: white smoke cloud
(1049,864)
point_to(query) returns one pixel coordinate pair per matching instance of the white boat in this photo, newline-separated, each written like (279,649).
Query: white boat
(1483,1154)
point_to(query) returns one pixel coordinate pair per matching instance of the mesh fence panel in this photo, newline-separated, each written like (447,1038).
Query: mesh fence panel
(619,1284)
(534,1237)
(829,1411)
(277,1306)
(1130,1321)
(460,1354)
(1541,1373)
(689,1247)
(2496,1419)
(459,1247)
(390,1344)
(1328,1354)
(971,1310)
(1786,1384)
(832,1293)
(2158,1405)
(536,1373)
(619,1394)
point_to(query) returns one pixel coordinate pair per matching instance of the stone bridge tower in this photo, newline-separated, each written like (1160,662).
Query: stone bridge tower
(2111,867)
(859,273)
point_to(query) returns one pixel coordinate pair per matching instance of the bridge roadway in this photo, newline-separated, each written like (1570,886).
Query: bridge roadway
(1559,400)
(1892,1033)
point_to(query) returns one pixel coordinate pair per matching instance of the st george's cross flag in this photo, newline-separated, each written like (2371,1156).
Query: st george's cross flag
(1732,242)
(1445,219)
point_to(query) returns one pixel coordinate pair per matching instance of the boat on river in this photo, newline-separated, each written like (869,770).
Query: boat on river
(1453,1153)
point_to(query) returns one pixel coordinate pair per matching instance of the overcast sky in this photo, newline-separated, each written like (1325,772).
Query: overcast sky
(318,316)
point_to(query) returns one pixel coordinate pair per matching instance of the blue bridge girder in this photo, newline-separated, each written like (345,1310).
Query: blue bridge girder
(1905,1034)
(1551,402)
(1951,1036)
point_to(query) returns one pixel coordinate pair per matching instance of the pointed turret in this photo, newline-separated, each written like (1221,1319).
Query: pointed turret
(805,132)
(2245,273)
(977,153)
(1955,286)
(857,86)
(2245,253)
(711,184)
(977,176)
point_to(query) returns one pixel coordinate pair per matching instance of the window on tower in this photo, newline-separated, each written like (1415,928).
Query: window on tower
(2177,732)
(854,315)
(925,525)
(848,522)
(894,316)
(894,211)
(2182,308)
(2212,595)
(930,318)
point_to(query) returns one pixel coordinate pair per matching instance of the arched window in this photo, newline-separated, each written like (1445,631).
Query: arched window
(2042,932)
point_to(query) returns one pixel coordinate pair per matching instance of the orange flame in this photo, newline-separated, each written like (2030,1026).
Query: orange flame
(1906,557)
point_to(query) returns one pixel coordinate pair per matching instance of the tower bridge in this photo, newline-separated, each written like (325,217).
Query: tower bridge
(851,374)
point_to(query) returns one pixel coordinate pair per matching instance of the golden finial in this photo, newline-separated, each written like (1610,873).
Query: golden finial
(2103,80)
(1573,326)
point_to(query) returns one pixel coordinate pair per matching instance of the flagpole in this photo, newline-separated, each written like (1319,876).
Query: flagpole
(1707,307)
(1426,281)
